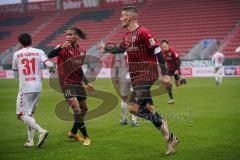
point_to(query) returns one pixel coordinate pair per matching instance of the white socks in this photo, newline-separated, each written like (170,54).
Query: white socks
(134,118)
(30,122)
(216,77)
(219,76)
(125,112)
(124,109)
(30,134)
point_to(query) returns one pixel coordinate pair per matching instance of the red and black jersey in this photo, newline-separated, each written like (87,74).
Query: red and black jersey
(172,58)
(140,46)
(69,62)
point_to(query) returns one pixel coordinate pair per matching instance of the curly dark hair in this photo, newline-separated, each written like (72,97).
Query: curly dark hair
(25,39)
(79,32)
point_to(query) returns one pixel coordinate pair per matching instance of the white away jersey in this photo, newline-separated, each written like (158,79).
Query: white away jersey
(28,62)
(218,59)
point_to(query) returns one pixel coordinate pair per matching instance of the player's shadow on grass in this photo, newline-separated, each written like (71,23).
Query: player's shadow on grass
(109,103)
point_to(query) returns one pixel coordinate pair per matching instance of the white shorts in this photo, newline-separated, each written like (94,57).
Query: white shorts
(27,102)
(125,88)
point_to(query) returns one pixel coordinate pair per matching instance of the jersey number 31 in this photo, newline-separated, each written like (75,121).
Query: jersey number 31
(29,66)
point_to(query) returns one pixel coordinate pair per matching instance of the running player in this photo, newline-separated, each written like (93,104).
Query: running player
(173,63)
(143,52)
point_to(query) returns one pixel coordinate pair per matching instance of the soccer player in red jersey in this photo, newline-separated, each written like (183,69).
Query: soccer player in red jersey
(70,58)
(173,63)
(143,53)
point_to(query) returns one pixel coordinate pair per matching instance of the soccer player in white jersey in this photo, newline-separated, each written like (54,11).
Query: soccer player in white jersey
(122,77)
(217,61)
(27,63)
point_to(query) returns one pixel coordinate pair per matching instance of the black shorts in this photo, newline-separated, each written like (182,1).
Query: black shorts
(176,76)
(74,90)
(141,94)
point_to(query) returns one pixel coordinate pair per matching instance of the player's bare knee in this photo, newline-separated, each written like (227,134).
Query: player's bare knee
(76,110)
(74,106)
(150,108)
(133,109)
(73,102)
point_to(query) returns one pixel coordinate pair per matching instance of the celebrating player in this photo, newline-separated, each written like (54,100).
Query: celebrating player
(122,78)
(143,52)
(70,58)
(27,64)
(173,63)
(217,61)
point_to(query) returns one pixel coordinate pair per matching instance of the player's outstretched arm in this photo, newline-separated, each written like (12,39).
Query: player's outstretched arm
(111,47)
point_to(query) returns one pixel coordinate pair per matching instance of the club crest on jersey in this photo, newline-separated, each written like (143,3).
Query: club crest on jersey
(134,38)
(169,53)
(152,42)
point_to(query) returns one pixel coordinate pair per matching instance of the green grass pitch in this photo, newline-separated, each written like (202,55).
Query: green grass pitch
(205,117)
